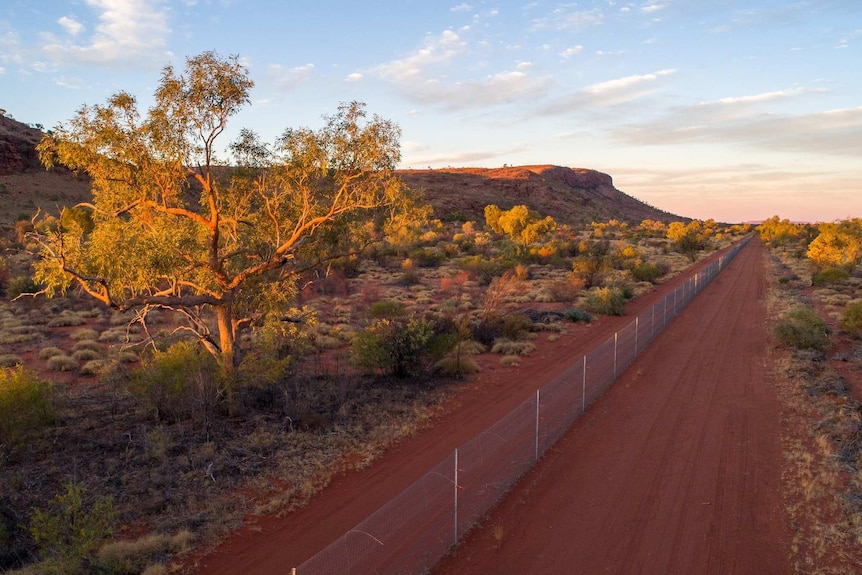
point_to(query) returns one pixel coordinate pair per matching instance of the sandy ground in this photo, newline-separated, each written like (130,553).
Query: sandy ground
(675,470)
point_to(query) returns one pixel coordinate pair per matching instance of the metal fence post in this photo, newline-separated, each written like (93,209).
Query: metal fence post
(637,324)
(616,334)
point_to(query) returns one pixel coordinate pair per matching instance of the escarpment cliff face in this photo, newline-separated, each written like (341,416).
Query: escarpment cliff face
(574,196)
(17,146)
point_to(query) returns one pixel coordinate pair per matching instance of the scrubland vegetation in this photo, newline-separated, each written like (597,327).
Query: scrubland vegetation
(816,300)
(201,332)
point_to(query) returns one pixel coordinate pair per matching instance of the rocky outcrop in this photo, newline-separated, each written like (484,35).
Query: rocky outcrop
(17,146)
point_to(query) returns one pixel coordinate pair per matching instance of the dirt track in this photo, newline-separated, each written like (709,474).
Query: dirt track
(675,470)
(683,460)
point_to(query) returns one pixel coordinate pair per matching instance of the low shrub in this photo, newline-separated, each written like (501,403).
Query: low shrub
(393,346)
(62,363)
(647,272)
(457,366)
(181,383)
(142,555)
(509,347)
(84,334)
(577,315)
(87,344)
(26,405)
(851,319)
(830,276)
(803,328)
(510,361)
(606,301)
(20,285)
(67,319)
(93,367)
(386,308)
(10,360)
(49,352)
(71,527)
(86,354)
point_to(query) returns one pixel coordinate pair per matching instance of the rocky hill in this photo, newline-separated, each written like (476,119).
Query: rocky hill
(570,195)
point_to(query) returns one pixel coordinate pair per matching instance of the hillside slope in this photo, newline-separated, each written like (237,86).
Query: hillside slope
(574,196)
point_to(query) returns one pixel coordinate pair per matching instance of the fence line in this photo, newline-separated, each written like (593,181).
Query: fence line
(416,528)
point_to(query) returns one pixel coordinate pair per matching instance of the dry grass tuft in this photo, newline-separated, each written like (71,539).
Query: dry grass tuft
(62,363)
(510,361)
(509,347)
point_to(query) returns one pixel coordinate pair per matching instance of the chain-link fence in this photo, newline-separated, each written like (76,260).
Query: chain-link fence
(413,531)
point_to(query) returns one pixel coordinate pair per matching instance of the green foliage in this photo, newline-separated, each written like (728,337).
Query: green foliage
(484,269)
(386,308)
(607,301)
(230,242)
(851,319)
(830,276)
(71,528)
(593,262)
(647,272)
(578,315)
(26,405)
(21,285)
(181,383)
(803,328)
(393,346)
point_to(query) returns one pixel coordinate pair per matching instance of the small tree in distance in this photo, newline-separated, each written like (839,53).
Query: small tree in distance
(173,229)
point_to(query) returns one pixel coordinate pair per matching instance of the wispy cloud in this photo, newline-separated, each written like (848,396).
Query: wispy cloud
(461,8)
(568,18)
(127,30)
(424,77)
(573,51)
(608,93)
(285,78)
(744,120)
(653,7)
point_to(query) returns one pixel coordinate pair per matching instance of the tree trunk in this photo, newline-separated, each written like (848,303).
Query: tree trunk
(230,352)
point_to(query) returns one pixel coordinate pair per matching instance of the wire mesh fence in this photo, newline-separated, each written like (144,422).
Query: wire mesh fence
(411,532)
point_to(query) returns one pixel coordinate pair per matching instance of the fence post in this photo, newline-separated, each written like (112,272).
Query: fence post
(616,334)
(456,495)
(637,324)
(537,425)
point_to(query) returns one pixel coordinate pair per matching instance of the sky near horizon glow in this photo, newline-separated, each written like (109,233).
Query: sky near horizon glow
(723,109)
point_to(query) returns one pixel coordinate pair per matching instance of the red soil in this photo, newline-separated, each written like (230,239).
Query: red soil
(676,469)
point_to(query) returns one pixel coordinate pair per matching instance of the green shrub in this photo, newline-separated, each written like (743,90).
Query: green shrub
(830,276)
(25,405)
(181,383)
(427,257)
(71,528)
(578,315)
(803,328)
(19,285)
(386,308)
(647,272)
(851,319)
(393,346)
(606,301)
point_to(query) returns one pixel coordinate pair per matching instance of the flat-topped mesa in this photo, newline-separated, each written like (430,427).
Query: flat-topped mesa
(575,196)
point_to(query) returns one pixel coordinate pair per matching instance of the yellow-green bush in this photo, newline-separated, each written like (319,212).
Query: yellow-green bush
(26,405)
(851,319)
(803,328)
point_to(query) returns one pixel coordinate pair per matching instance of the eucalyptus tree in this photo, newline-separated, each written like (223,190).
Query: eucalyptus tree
(175,228)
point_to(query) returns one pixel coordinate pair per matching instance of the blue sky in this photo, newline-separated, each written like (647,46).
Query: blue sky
(732,110)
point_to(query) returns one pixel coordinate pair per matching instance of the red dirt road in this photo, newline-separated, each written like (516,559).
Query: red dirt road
(720,450)
(676,469)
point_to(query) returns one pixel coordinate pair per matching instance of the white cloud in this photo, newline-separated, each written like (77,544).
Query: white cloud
(605,94)
(289,78)
(127,30)
(650,8)
(437,50)
(461,8)
(564,18)
(573,51)
(71,25)
(354,77)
